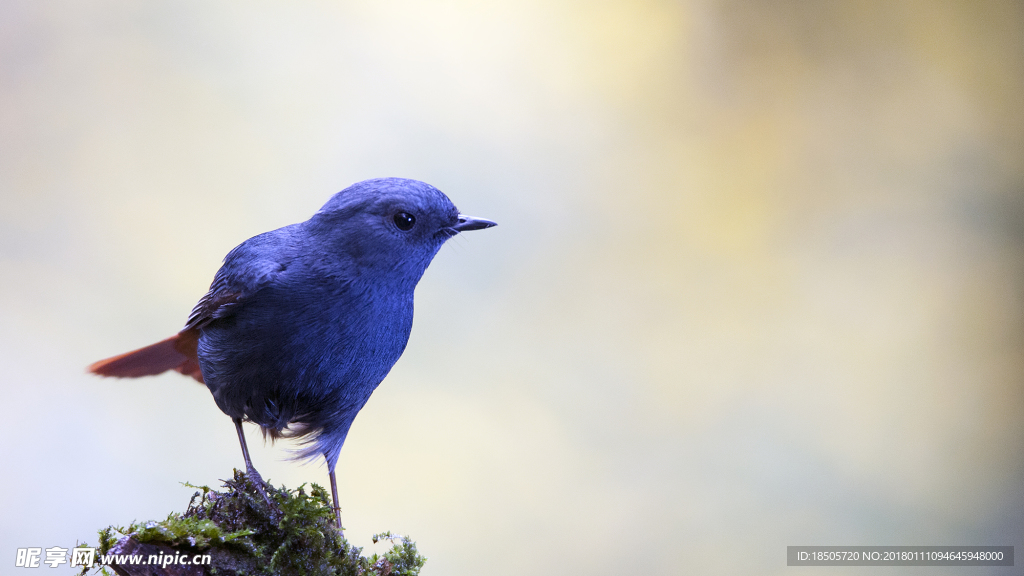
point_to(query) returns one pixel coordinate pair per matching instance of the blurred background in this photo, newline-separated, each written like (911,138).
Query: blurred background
(758,279)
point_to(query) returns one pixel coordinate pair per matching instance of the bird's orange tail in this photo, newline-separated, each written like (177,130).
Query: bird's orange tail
(175,353)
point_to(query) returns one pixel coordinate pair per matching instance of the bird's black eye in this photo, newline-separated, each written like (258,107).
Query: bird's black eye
(404,221)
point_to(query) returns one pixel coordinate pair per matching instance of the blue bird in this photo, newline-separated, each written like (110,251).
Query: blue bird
(302,323)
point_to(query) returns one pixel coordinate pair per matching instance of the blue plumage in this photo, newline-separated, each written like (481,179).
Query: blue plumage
(302,323)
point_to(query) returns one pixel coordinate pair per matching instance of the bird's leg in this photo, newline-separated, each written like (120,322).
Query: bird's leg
(257,480)
(334,494)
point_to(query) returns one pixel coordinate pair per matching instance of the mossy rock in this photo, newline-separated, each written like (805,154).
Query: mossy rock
(243,535)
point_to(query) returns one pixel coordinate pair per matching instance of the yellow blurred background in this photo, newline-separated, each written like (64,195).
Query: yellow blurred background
(758,279)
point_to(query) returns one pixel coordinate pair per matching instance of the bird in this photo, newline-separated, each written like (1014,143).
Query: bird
(302,323)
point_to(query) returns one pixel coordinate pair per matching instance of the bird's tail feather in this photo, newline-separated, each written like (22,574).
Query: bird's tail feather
(175,353)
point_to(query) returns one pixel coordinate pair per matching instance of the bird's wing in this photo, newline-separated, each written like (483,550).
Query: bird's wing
(250,266)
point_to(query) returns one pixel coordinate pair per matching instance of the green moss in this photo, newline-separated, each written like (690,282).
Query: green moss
(245,535)
(402,559)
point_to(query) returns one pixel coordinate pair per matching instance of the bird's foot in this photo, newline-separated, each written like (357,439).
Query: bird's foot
(260,484)
(334,497)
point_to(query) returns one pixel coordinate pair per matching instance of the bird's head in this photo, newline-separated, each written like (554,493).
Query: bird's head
(393,226)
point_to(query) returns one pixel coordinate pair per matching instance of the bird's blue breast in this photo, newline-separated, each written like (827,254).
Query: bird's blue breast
(308,350)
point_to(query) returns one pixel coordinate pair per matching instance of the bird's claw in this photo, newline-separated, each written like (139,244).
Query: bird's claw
(260,484)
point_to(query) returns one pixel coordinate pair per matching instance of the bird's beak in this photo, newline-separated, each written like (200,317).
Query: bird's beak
(470,223)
